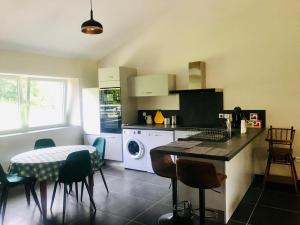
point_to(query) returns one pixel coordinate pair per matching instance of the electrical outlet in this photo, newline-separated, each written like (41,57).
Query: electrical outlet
(144,114)
(221,115)
(226,116)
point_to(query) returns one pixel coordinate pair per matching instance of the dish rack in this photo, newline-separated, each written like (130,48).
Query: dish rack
(210,134)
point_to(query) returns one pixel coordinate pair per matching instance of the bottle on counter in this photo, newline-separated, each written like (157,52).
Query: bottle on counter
(173,120)
(243,126)
(228,126)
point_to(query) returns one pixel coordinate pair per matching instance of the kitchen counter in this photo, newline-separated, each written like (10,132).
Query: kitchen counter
(153,127)
(233,158)
(223,151)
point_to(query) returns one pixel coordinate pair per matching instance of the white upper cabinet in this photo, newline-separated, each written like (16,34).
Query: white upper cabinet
(109,77)
(151,85)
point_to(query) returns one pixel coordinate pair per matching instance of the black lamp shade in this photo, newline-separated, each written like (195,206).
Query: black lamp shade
(91,26)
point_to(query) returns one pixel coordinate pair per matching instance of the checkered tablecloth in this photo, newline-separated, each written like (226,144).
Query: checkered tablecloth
(44,164)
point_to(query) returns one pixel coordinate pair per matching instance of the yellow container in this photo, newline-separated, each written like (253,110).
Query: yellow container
(159,118)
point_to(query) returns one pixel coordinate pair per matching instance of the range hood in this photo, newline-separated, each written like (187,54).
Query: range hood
(197,79)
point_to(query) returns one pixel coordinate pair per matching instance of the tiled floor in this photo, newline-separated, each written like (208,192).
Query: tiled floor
(138,198)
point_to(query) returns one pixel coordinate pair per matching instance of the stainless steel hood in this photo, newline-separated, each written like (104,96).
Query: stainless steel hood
(197,79)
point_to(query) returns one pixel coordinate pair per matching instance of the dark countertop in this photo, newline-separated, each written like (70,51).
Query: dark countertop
(156,127)
(224,151)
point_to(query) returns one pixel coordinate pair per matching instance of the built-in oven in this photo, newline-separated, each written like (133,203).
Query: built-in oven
(110,110)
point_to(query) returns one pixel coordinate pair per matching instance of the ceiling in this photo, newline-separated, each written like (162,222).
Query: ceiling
(53,27)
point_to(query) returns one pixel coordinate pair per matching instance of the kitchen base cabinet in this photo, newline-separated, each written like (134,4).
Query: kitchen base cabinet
(240,173)
(113,146)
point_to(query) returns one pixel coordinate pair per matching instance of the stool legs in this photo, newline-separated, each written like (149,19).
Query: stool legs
(171,218)
(201,206)
(174,198)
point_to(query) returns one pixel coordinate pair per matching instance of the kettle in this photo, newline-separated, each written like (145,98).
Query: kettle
(148,119)
(237,116)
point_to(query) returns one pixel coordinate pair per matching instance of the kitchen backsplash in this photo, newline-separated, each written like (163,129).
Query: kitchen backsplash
(197,109)
(201,109)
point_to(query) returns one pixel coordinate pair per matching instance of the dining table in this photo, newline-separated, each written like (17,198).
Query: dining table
(44,164)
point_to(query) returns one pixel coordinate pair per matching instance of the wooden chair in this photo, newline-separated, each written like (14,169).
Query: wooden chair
(281,152)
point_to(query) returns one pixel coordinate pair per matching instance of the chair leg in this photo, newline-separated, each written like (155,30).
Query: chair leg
(31,186)
(5,195)
(82,184)
(76,190)
(27,193)
(53,194)
(2,197)
(65,201)
(267,171)
(104,181)
(294,175)
(201,206)
(89,192)
(70,188)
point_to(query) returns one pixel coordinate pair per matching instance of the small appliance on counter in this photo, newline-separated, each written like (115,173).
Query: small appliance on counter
(237,116)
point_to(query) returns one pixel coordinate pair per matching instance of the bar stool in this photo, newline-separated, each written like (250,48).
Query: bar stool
(164,166)
(201,175)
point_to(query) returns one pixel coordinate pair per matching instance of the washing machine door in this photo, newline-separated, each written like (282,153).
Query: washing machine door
(135,148)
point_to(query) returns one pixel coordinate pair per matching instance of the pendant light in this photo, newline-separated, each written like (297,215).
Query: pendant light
(91,26)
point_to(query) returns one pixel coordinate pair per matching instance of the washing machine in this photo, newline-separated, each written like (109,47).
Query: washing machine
(137,145)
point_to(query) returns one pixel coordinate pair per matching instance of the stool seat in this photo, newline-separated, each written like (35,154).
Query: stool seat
(280,151)
(163,165)
(201,175)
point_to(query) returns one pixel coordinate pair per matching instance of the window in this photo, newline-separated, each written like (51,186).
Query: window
(28,103)
(10,117)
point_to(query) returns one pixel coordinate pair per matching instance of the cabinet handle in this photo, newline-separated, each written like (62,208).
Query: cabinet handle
(148,92)
(110,76)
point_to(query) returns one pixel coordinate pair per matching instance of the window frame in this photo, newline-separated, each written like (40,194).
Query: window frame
(23,102)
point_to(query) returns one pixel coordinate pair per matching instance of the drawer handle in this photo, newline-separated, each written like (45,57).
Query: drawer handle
(148,92)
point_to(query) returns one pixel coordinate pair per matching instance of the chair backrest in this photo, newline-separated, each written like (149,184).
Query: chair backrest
(76,167)
(44,143)
(3,176)
(162,164)
(197,174)
(99,144)
(281,137)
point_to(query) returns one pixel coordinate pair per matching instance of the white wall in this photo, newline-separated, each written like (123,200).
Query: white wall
(33,64)
(79,74)
(251,49)
(11,145)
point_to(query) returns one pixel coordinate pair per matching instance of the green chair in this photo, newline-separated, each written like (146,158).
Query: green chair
(75,169)
(99,144)
(12,180)
(44,143)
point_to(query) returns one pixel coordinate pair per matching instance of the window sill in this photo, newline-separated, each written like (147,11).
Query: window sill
(16,133)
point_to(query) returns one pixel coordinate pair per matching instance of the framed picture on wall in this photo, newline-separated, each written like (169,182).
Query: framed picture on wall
(253,116)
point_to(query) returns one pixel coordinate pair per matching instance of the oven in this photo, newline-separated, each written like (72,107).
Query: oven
(110,110)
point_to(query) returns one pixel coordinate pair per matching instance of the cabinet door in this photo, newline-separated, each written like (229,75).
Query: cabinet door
(150,85)
(109,74)
(155,139)
(113,146)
